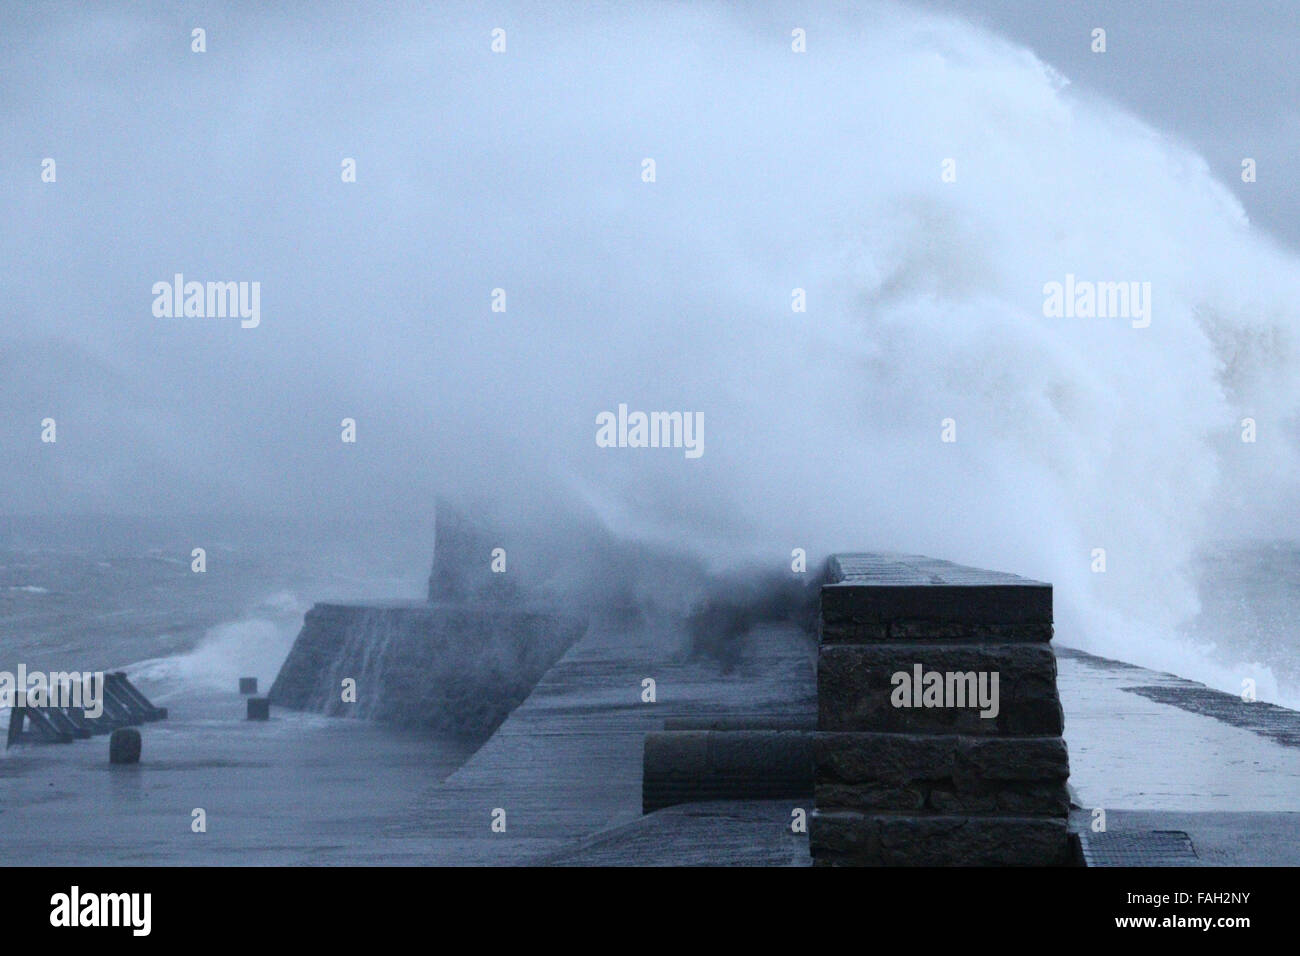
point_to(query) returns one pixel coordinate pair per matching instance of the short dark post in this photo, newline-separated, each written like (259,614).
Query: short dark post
(259,708)
(124,746)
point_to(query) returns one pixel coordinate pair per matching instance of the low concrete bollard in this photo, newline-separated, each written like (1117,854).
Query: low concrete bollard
(248,685)
(259,708)
(124,746)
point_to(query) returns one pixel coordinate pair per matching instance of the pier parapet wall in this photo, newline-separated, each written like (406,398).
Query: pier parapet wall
(939,725)
(452,668)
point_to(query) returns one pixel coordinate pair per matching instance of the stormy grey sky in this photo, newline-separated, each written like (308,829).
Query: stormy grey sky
(1220,73)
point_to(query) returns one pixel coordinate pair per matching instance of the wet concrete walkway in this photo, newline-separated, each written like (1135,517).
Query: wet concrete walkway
(567,763)
(1142,740)
(1154,751)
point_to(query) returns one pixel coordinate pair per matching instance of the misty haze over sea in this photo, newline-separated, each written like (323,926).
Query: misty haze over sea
(524,172)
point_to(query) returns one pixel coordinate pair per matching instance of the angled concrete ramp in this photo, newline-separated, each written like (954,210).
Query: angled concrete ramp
(567,763)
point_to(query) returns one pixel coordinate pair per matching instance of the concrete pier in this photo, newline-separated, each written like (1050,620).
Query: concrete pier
(567,768)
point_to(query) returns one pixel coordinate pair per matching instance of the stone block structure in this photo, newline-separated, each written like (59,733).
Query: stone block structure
(939,725)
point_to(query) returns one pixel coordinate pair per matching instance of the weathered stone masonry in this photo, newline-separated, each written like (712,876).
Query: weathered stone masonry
(936,786)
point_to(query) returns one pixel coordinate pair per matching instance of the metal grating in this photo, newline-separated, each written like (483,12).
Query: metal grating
(1138,848)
